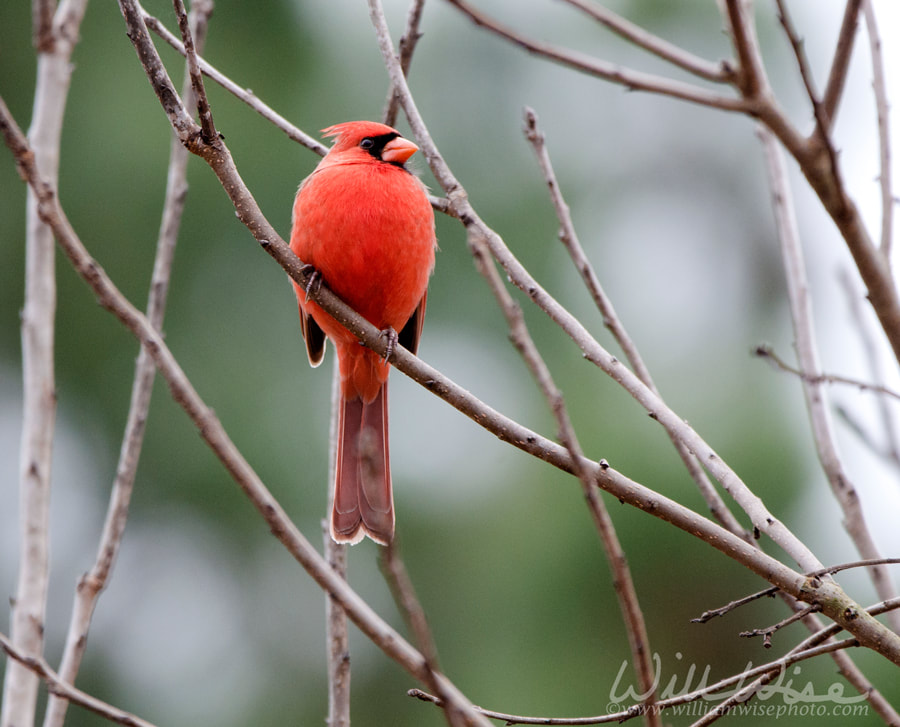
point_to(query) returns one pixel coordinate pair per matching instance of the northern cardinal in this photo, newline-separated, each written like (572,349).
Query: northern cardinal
(364,222)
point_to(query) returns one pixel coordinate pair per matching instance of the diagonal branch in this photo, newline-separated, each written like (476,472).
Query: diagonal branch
(61,689)
(569,238)
(841,62)
(408,42)
(635,626)
(660,47)
(631,79)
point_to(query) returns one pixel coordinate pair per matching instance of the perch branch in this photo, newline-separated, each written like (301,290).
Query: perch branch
(211,429)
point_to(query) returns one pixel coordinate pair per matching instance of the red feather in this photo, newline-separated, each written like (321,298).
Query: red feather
(364,222)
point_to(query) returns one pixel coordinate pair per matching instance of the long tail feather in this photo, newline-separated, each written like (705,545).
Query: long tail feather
(363,502)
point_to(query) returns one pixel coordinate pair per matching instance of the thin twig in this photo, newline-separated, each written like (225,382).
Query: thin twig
(408,42)
(830,570)
(890,451)
(337,634)
(882,106)
(767,352)
(203,110)
(821,137)
(569,238)
(394,571)
(767,632)
(751,76)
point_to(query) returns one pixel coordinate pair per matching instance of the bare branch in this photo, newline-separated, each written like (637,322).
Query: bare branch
(751,76)
(841,62)
(623,582)
(243,94)
(807,353)
(882,106)
(830,570)
(631,79)
(95,580)
(204,112)
(569,238)
(28,605)
(336,632)
(642,38)
(767,632)
(707,693)
(408,41)
(768,353)
(63,690)
(42,36)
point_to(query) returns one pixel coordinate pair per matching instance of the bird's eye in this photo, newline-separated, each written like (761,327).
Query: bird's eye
(367,143)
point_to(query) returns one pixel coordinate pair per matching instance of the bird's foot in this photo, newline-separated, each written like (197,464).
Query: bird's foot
(315,280)
(392,337)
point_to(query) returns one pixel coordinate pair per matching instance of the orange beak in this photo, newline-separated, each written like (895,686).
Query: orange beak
(398,150)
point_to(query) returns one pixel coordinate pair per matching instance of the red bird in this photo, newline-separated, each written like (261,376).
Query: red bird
(364,222)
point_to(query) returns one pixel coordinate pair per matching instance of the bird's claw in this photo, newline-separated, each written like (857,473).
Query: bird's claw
(315,280)
(392,337)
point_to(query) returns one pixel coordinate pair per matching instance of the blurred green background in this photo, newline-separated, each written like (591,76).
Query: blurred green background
(207,620)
